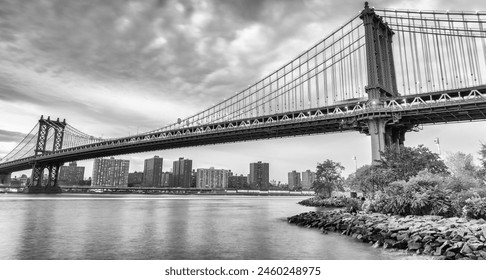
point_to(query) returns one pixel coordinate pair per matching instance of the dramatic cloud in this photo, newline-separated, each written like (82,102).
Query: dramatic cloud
(11,136)
(115,67)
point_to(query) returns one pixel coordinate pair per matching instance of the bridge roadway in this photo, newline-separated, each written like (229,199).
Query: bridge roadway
(467,104)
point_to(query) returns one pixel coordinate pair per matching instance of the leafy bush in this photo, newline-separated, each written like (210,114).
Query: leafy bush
(421,195)
(480,192)
(353,204)
(462,183)
(318,201)
(475,208)
(459,201)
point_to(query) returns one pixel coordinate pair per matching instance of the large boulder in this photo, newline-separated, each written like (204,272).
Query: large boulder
(414,245)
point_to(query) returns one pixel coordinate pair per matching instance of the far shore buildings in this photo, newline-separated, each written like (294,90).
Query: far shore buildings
(294,180)
(71,175)
(259,176)
(167,180)
(182,173)
(152,172)
(110,173)
(308,178)
(211,178)
(238,182)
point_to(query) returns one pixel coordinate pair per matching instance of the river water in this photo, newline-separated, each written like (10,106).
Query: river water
(126,227)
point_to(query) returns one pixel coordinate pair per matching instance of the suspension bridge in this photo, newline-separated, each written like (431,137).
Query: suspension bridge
(384,72)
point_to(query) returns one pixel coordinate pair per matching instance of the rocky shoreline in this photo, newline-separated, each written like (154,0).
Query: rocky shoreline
(442,238)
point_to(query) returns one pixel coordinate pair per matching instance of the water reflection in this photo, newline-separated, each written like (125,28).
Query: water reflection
(70,226)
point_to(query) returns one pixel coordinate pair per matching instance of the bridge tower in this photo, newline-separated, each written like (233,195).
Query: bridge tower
(46,126)
(385,131)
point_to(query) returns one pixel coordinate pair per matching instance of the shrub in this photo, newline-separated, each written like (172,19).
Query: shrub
(459,201)
(340,202)
(475,208)
(480,192)
(421,195)
(461,183)
(353,204)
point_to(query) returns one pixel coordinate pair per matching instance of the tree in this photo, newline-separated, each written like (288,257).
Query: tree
(482,153)
(328,177)
(460,164)
(407,162)
(369,179)
(465,174)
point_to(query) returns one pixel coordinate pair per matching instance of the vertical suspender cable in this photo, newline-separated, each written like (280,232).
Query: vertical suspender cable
(462,58)
(468,50)
(405,55)
(355,62)
(333,74)
(424,52)
(476,59)
(324,73)
(341,64)
(308,81)
(439,54)
(452,57)
(482,41)
(417,59)
(317,79)
(412,53)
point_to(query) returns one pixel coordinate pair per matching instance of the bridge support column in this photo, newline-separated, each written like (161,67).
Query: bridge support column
(48,185)
(377,132)
(5,179)
(385,134)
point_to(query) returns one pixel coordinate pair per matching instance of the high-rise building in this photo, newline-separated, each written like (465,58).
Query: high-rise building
(71,175)
(211,178)
(182,172)
(135,179)
(110,173)
(167,180)
(152,172)
(308,178)
(238,182)
(259,175)
(294,180)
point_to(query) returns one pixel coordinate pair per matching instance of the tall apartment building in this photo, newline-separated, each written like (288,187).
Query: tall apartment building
(182,172)
(152,172)
(110,173)
(167,180)
(259,176)
(294,180)
(71,174)
(308,178)
(211,178)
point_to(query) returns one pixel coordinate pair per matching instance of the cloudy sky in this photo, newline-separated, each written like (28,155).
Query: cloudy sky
(117,67)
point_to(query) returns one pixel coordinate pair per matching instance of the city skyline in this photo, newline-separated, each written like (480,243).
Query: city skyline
(129,75)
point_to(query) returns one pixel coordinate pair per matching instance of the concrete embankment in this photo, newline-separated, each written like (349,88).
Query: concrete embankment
(443,238)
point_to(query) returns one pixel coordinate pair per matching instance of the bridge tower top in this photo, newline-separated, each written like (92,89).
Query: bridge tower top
(45,126)
(379,57)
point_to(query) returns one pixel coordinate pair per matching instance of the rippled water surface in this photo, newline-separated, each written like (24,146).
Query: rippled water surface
(74,226)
